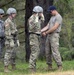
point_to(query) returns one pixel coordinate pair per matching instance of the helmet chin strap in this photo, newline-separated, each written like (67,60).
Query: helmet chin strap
(10,16)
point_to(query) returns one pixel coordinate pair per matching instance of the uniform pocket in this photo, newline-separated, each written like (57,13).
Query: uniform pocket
(11,43)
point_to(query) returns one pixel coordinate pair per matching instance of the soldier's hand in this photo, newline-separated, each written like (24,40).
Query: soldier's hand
(44,33)
(41,16)
(14,34)
(39,33)
(18,43)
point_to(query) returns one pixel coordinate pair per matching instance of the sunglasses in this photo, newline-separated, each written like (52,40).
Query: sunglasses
(50,11)
(1,14)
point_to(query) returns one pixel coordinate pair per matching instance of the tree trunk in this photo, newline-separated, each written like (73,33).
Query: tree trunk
(29,7)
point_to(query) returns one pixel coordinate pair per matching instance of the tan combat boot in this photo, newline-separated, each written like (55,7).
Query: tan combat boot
(6,69)
(60,68)
(32,70)
(49,68)
(13,67)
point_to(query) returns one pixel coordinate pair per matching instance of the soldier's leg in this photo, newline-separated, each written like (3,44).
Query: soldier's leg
(1,48)
(2,44)
(7,58)
(55,48)
(13,56)
(48,53)
(34,55)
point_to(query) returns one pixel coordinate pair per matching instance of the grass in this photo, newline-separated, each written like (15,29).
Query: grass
(22,69)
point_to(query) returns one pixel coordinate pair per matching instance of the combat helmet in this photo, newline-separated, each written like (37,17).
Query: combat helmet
(1,11)
(11,11)
(37,9)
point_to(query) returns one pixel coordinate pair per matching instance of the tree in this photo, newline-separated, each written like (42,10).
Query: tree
(29,6)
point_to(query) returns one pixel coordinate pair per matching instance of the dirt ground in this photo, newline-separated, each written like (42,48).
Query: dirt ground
(57,73)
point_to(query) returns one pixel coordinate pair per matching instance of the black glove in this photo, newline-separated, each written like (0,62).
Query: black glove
(14,34)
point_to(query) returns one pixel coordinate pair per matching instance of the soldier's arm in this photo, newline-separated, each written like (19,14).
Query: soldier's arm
(45,28)
(53,28)
(42,17)
(33,23)
(7,32)
(30,20)
(13,28)
(56,25)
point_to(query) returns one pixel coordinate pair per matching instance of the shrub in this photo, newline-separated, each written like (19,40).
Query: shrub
(66,54)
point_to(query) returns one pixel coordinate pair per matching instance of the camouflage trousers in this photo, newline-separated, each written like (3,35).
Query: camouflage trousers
(34,46)
(2,42)
(52,49)
(9,57)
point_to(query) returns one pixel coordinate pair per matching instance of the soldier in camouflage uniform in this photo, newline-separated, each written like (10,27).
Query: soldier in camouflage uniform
(34,30)
(2,33)
(10,33)
(53,29)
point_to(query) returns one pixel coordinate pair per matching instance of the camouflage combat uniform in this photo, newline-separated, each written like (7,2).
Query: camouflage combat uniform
(34,26)
(52,41)
(2,38)
(10,30)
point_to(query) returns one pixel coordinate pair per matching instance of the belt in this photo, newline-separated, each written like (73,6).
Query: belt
(34,33)
(54,32)
(57,32)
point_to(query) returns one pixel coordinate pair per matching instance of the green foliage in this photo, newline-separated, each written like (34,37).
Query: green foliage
(68,65)
(20,52)
(66,53)
(63,6)
(22,68)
